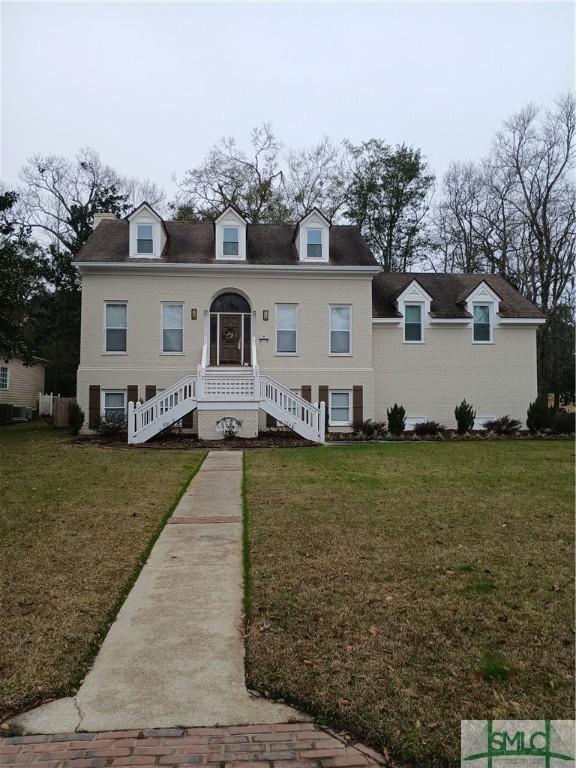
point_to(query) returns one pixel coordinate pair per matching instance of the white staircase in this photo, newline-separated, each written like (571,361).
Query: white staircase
(230,386)
(164,409)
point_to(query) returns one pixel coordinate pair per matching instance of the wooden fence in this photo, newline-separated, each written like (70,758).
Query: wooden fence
(61,411)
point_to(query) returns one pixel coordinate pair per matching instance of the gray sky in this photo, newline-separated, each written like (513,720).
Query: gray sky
(152,85)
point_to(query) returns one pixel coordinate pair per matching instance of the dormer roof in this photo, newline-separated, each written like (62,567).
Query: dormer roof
(468,292)
(314,212)
(148,209)
(231,208)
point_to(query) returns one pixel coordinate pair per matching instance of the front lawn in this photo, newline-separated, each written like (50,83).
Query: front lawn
(397,589)
(75,522)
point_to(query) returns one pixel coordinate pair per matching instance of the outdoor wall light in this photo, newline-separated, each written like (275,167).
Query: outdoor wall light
(194,313)
(264,314)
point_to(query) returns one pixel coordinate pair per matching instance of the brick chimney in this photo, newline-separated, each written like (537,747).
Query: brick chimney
(98,217)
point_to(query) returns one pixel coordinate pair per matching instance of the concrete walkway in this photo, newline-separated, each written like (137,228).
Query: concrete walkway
(175,654)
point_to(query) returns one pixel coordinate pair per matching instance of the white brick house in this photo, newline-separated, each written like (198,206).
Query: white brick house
(203,321)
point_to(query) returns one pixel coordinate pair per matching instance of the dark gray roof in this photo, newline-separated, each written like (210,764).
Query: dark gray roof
(193,242)
(448,292)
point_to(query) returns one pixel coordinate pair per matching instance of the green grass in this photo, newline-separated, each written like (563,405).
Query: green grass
(397,589)
(76,524)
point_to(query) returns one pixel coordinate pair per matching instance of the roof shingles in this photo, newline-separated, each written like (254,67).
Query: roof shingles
(192,242)
(448,292)
(272,244)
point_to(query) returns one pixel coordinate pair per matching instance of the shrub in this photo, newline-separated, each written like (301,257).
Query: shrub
(76,417)
(564,423)
(539,417)
(114,425)
(369,428)
(465,415)
(428,428)
(503,426)
(396,419)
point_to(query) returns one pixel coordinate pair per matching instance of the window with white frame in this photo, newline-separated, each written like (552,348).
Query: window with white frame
(145,239)
(482,325)
(172,327)
(230,241)
(340,406)
(314,243)
(341,329)
(113,404)
(413,322)
(3,377)
(116,327)
(286,329)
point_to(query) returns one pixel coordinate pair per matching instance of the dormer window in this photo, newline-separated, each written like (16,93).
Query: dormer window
(483,304)
(148,233)
(482,325)
(414,304)
(145,241)
(314,244)
(312,238)
(413,322)
(230,235)
(230,241)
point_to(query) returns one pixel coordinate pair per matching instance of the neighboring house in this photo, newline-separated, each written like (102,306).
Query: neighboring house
(20,386)
(209,321)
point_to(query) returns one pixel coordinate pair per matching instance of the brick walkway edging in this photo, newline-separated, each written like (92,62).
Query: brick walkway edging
(286,745)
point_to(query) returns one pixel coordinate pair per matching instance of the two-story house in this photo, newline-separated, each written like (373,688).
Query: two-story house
(207,322)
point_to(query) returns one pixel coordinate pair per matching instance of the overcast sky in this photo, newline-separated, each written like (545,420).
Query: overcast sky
(152,85)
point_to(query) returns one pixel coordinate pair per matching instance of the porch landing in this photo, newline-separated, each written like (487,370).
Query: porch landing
(174,656)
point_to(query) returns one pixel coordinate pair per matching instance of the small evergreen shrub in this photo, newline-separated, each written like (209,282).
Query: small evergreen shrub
(76,418)
(538,417)
(428,429)
(503,426)
(114,425)
(465,415)
(396,419)
(564,423)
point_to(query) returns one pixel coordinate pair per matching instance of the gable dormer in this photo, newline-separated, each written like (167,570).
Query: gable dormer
(312,238)
(414,305)
(483,304)
(148,233)
(230,235)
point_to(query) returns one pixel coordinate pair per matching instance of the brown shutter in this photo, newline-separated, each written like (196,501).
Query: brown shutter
(357,404)
(307,392)
(323,398)
(132,390)
(93,406)
(150,391)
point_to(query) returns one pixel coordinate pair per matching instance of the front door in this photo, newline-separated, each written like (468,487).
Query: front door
(230,339)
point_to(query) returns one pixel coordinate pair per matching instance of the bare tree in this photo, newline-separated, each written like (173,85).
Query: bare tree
(457,219)
(539,157)
(516,214)
(59,196)
(228,176)
(316,177)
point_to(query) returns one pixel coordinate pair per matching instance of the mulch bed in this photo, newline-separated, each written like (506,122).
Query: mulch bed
(190,442)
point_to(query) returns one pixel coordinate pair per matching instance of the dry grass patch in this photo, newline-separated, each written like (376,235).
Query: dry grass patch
(397,589)
(75,521)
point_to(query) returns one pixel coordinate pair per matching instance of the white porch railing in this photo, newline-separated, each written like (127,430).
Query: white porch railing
(307,419)
(148,419)
(226,386)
